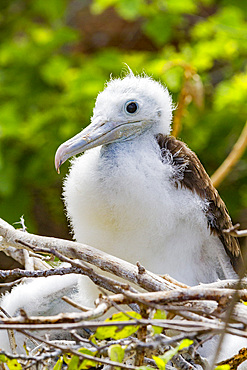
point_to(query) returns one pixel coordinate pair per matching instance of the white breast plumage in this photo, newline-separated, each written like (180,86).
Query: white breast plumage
(121,199)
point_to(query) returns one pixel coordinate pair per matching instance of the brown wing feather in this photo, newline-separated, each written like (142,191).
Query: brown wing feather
(196,179)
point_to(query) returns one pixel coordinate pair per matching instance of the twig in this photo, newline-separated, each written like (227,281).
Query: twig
(42,258)
(18,255)
(229,312)
(11,283)
(181,363)
(100,280)
(180,295)
(28,261)
(76,305)
(231,159)
(94,313)
(11,334)
(22,223)
(35,274)
(236,360)
(36,358)
(235,232)
(141,336)
(72,321)
(192,89)
(174,281)
(227,284)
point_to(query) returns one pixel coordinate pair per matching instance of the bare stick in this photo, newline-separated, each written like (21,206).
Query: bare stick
(11,283)
(76,305)
(35,274)
(36,358)
(231,159)
(235,232)
(44,323)
(18,255)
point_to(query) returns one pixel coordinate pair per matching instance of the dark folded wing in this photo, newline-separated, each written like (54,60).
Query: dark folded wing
(195,178)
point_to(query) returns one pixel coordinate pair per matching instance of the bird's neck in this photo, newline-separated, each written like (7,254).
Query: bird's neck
(143,143)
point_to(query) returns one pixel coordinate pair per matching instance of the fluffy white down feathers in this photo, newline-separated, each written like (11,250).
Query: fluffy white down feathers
(120,197)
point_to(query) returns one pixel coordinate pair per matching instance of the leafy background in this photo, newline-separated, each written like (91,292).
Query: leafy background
(55,57)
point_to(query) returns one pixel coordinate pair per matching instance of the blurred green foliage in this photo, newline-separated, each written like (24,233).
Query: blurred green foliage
(48,85)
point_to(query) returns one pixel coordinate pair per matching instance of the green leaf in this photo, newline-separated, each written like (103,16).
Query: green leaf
(3,358)
(116,353)
(114,331)
(185,343)
(161,361)
(223,367)
(74,363)
(86,364)
(59,364)
(93,339)
(14,365)
(67,358)
(159,314)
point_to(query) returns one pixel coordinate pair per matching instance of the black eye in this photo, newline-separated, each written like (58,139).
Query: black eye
(131,107)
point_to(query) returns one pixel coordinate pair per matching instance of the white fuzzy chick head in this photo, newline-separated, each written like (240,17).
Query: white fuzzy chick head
(126,109)
(154,104)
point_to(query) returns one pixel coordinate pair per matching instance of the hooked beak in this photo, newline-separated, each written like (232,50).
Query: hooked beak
(96,134)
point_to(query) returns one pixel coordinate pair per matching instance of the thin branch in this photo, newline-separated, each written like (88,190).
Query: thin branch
(18,255)
(235,232)
(227,284)
(76,305)
(100,280)
(141,336)
(35,274)
(11,283)
(181,363)
(37,358)
(44,323)
(180,295)
(231,159)
(228,315)
(192,89)
(236,360)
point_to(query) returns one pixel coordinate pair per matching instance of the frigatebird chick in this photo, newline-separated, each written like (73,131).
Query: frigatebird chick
(142,195)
